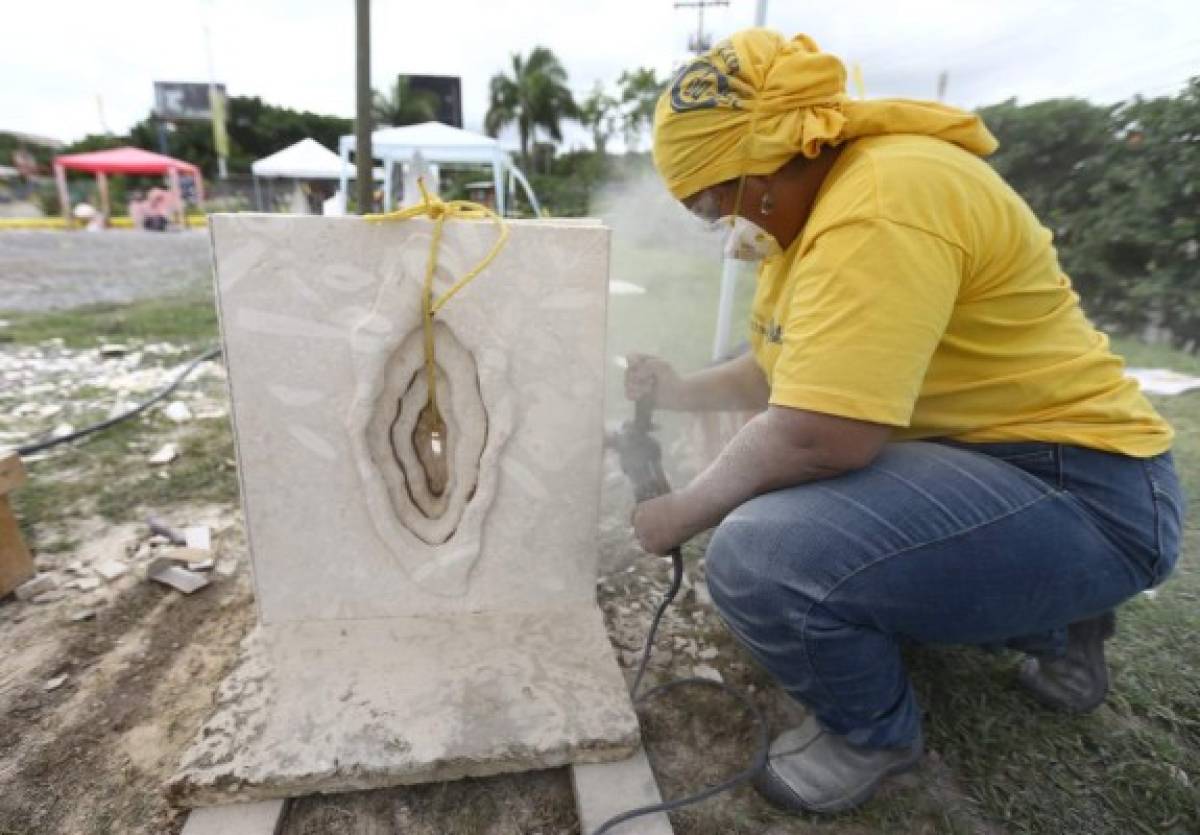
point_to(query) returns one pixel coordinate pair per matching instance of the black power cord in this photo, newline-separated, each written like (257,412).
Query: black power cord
(30,449)
(641,459)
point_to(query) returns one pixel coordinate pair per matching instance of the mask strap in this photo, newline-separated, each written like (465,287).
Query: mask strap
(737,200)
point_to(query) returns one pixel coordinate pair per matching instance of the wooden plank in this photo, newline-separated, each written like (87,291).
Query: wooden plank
(16,565)
(261,818)
(12,472)
(604,790)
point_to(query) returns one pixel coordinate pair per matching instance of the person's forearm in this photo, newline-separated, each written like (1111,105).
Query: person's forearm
(753,463)
(738,384)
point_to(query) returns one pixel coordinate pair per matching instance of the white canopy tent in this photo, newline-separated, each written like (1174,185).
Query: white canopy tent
(439,144)
(307,159)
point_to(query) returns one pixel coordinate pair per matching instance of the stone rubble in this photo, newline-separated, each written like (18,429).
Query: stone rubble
(166,571)
(178,411)
(165,455)
(112,569)
(38,584)
(76,387)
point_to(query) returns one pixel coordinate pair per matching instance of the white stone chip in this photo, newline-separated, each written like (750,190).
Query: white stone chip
(111,569)
(165,570)
(198,536)
(55,683)
(178,411)
(705,671)
(38,584)
(165,455)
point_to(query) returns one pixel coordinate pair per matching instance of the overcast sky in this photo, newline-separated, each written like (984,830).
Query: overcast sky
(63,62)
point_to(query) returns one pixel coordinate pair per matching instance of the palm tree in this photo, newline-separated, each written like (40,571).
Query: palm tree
(534,95)
(640,90)
(405,106)
(599,113)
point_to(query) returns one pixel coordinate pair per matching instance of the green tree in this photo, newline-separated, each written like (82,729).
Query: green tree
(404,106)
(534,95)
(1141,230)
(640,90)
(255,129)
(599,114)
(1118,187)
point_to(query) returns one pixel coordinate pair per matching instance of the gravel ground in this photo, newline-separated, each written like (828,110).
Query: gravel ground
(45,270)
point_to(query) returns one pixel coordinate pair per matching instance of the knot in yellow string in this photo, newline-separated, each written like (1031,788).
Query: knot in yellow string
(438,211)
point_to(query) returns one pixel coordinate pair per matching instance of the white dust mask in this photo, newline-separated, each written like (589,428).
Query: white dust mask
(745,240)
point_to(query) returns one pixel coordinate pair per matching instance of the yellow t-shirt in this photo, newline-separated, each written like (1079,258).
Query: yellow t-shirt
(924,294)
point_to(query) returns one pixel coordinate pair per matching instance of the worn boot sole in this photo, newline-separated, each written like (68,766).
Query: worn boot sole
(1087,638)
(778,793)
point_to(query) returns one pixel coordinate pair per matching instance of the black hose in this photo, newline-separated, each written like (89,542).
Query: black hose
(757,764)
(30,449)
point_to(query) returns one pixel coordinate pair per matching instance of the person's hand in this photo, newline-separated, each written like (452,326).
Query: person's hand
(645,374)
(657,524)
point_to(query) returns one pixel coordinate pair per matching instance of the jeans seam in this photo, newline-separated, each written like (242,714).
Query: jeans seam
(900,552)
(1154,500)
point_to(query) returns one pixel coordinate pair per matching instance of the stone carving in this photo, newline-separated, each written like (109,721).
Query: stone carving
(423,614)
(429,512)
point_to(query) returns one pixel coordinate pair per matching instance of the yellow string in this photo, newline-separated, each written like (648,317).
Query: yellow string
(439,210)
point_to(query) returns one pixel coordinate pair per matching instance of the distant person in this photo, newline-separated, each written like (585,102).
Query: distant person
(159,209)
(92,218)
(137,209)
(945,451)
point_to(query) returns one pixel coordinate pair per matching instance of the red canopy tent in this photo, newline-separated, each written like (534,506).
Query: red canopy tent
(122,161)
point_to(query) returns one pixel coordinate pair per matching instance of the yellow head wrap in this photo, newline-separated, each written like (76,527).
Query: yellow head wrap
(755,101)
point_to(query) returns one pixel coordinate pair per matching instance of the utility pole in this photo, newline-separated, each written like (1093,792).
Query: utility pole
(729,268)
(701,42)
(364,161)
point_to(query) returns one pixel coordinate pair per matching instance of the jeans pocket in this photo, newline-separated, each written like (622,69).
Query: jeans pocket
(1040,460)
(1030,458)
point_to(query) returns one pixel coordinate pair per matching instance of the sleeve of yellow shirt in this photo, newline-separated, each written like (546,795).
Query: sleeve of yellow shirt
(870,304)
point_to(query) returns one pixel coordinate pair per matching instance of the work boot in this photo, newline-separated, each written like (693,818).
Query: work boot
(1077,682)
(812,770)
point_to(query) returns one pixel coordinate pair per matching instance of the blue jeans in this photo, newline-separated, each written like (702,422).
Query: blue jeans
(935,543)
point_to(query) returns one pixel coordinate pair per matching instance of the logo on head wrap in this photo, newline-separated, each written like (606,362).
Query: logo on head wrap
(704,83)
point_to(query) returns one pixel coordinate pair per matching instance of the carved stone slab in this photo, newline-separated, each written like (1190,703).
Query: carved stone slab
(426,596)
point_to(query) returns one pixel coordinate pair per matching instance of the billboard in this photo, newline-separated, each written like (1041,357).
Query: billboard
(183,100)
(446,89)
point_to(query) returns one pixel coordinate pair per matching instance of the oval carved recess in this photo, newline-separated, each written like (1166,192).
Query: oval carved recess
(431,468)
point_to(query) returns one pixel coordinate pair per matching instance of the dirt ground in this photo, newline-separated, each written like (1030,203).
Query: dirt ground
(90,755)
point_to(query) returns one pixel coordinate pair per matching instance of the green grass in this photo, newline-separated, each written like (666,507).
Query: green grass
(107,474)
(186,320)
(1140,355)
